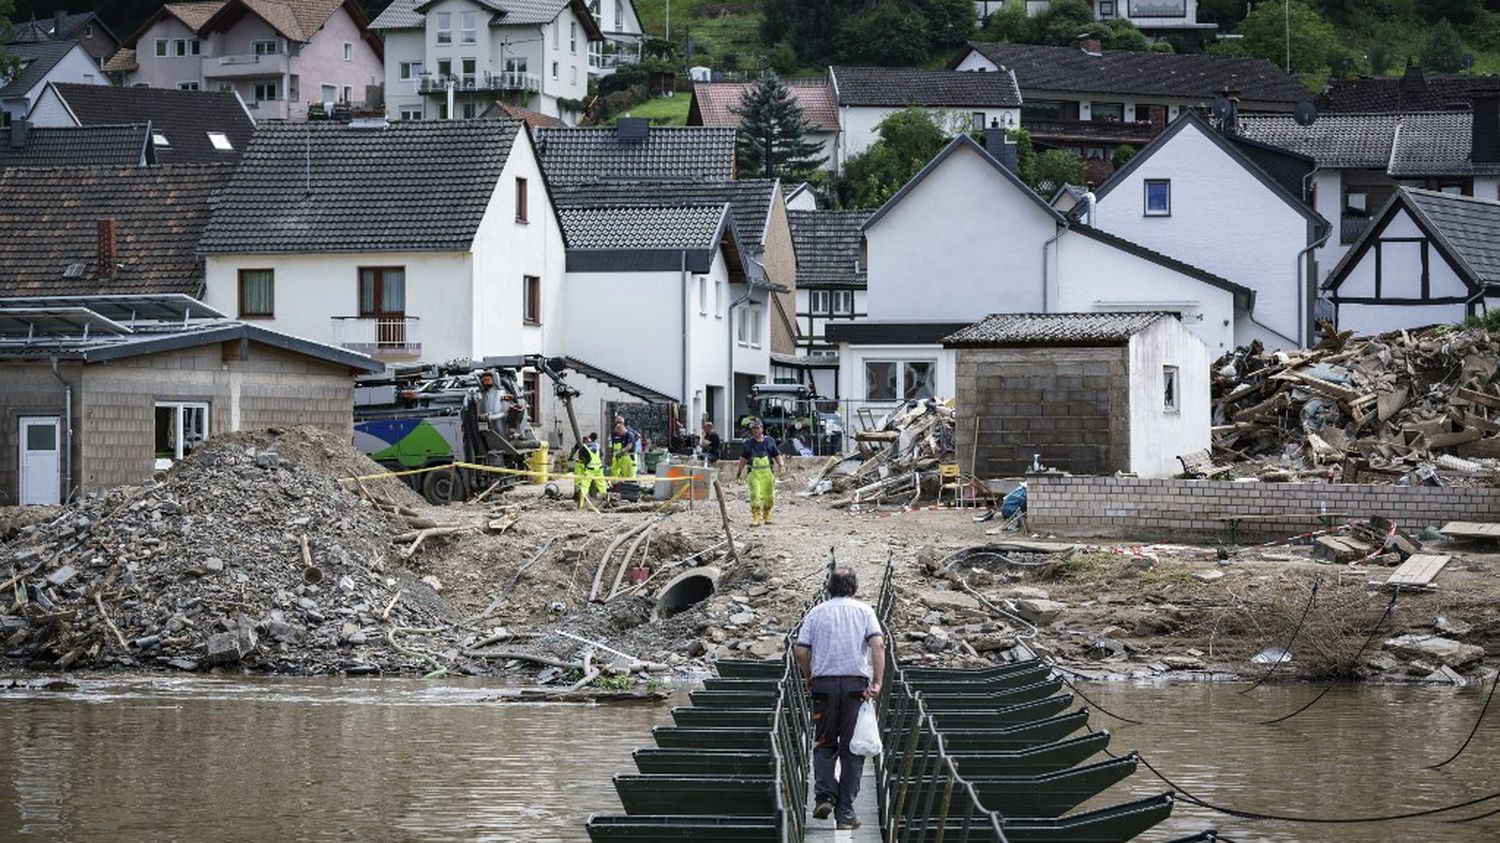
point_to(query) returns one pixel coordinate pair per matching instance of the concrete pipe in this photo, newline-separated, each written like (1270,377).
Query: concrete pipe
(686,590)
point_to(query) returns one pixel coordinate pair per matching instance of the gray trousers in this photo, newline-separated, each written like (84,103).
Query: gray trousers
(835,709)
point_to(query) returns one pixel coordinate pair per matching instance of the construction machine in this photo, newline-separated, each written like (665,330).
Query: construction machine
(791,410)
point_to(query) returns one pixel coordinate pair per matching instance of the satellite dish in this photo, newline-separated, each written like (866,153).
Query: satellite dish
(1222,107)
(1305,113)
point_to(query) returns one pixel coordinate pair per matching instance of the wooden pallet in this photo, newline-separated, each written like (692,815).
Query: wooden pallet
(1418,571)
(1471,530)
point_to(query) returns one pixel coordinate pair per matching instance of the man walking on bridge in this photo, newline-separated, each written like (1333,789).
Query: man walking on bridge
(831,648)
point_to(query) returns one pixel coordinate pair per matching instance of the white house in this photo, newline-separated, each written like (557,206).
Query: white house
(664,294)
(1155,17)
(621,27)
(1426,258)
(960,101)
(453,58)
(1214,202)
(40,63)
(414,241)
(281,58)
(966,238)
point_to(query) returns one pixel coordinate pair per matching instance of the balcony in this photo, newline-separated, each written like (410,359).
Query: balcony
(613,54)
(245,66)
(381,337)
(510,80)
(1090,131)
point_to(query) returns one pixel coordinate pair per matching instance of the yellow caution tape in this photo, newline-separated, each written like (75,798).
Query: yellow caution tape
(494,469)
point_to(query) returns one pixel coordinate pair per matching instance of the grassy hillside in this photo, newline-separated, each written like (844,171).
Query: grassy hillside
(727,31)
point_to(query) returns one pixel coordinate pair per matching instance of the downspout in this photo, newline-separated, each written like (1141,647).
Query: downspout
(686,302)
(67,428)
(1310,295)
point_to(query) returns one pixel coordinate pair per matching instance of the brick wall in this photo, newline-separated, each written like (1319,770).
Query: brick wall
(1165,510)
(1070,405)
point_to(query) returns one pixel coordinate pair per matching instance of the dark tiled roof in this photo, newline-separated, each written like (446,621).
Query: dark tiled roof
(46,28)
(48,220)
(828,245)
(77,146)
(748,199)
(1054,329)
(716,102)
(1179,75)
(1471,228)
(646,227)
(903,86)
(37,60)
(184,118)
(1415,91)
(328,187)
(1408,145)
(699,153)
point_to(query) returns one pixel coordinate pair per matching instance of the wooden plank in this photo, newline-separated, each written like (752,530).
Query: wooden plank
(1419,570)
(1471,530)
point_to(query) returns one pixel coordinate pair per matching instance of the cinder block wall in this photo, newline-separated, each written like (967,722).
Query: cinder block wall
(29,389)
(1167,510)
(1071,405)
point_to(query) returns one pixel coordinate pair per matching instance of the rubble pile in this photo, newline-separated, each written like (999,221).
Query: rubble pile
(248,551)
(893,456)
(1419,407)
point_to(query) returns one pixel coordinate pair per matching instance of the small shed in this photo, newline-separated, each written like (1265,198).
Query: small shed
(1087,393)
(105,390)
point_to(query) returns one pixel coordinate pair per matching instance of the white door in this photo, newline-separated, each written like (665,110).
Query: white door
(41,460)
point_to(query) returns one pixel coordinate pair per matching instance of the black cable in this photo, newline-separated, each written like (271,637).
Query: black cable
(1473,731)
(1485,815)
(1092,703)
(1286,651)
(1373,632)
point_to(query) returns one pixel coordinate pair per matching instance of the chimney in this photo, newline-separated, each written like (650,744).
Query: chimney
(1485,143)
(999,145)
(20,130)
(1090,45)
(1157,115)
(108,252)
(59,17)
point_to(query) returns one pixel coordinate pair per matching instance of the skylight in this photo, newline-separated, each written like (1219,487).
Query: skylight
(159,139)
(220,141)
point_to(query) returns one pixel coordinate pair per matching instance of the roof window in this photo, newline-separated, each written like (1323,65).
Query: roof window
(160,139)
(220,141)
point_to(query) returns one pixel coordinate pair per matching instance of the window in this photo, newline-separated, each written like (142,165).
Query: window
(442,111)
(1169,388)
(382,297)
(554,70)
(843,302)
(531,300)
(220,141)
(180,426)
(159,139)
(573,74)
(257,293)
(411,113)
(888,380)
(703,295)
(522,204)
(531,385)
(329,93)
(1356,203)
(880,380)
(444,25)
(619,14)
(1158,197)
(1106,9)
(718,298)
(161,46)
(348,93)
(187,86)
(1048,110)
(469,110)
(1112,111)
(468,66)
(573,37)
(556,34)
(445,68)
(265,91)
(817,302)
(266,48)
(747,327)
(411,69)
(917,379)
(467,23)
(181,47)
(977,119)
(348,51)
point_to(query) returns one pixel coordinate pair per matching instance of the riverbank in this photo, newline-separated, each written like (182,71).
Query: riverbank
(205,570)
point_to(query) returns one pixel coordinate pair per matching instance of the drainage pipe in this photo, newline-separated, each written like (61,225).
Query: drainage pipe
(686,590)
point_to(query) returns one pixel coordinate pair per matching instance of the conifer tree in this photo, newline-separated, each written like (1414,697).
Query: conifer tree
(772,122)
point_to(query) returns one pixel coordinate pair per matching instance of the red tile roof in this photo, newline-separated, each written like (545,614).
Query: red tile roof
(714,103)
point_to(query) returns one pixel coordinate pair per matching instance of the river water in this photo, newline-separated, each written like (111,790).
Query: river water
(202,759)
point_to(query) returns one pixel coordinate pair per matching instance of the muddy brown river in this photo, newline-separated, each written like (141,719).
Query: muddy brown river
(195,759)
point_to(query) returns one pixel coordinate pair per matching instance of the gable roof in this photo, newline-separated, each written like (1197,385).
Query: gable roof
(1053,329)
(184,118)
(1415,90)
(1244,297)
(829,248)
(1404,144)
(408,14)
(534,119)
(1234,151)
(905,86)
(1465,229)
(191,15)
(46,28)
(649,238)
(960,142)
(588,154)
(1198,76)
(37,60)
(320,187)
(714,103)
(749,199)
(80,146)
(48,220)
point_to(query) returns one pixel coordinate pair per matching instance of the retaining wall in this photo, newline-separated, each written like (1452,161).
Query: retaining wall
(1181,510)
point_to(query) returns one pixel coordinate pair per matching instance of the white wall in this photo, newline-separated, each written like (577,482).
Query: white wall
(75,66)
(859,125)
(1328,199)
(1400,277)
(155,71)
(403,45)
(1158,435)
(852,370)
(1095,277)
(964,243)
(1223,220)
(1378,318)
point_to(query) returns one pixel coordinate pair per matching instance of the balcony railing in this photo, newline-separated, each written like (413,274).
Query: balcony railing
(245,66)
(1088,130)
(509,80)
(379,336)
(615,53)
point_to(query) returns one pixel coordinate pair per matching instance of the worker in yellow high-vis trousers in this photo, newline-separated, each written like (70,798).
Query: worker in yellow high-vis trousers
(622,452)
(759,453)
(588,470)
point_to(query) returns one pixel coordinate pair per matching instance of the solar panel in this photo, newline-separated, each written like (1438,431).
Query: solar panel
(164,307)
(51,323)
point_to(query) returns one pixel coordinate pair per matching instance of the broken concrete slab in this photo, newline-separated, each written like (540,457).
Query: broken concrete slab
(1454,654)
(1039,611)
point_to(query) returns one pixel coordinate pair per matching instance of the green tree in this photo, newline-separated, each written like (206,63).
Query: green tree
(891,34)
(772,140)
(1055,168)
(949,23)
(1380,57)
(1313,40)
(1062,22)
(909,138)
(812,26)
(1123,153)
(1444,50)
(1121,34)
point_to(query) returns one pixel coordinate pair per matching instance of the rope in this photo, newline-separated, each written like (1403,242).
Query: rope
(1286,650)
(1473,731)
(1373,632)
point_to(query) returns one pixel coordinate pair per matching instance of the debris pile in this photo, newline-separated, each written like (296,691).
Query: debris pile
(249,551)
(896,457)
(1411,407)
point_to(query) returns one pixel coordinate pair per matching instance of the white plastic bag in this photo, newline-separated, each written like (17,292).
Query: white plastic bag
(866,740)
